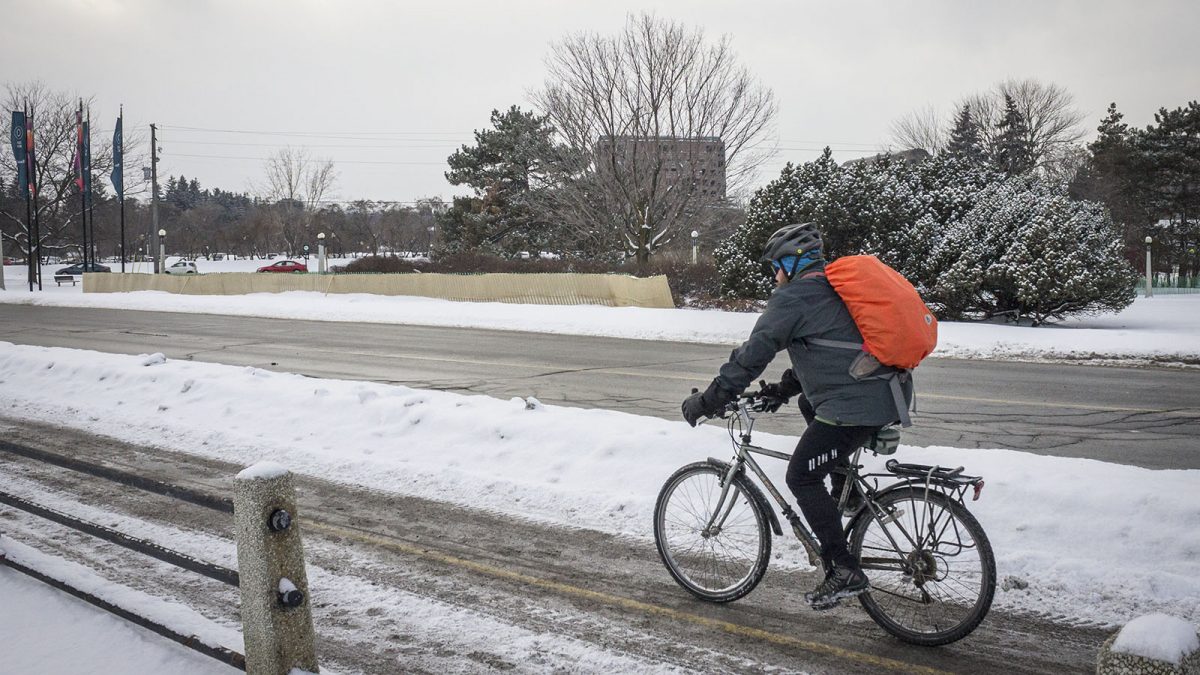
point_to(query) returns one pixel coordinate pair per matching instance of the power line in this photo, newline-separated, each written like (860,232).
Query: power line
(457,135)
(330,145)
(264,159)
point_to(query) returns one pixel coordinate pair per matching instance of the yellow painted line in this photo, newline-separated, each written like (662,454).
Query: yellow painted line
(618,601)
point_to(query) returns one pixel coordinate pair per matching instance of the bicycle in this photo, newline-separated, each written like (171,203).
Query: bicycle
(932,572)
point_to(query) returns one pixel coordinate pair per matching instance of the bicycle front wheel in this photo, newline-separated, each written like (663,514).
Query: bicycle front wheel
(931,567)
(717,550)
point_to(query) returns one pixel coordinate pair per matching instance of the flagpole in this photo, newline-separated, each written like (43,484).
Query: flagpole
(34,186)
(30,260)
(79,180)
(121,193)
(87,186)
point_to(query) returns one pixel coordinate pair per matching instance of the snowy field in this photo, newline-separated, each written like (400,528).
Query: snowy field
(47,631)
(1064,545)
(1164,329)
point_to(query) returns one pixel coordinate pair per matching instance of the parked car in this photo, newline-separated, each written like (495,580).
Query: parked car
(183,267)
(78,268)
(285,266)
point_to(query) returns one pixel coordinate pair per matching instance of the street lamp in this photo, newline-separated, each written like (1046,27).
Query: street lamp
(162,251)
(695,245)
(321,252)
(1149,286)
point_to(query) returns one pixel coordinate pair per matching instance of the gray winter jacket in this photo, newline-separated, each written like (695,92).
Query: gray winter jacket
(810,308)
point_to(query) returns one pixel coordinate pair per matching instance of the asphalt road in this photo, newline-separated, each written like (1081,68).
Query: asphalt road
(1147,417)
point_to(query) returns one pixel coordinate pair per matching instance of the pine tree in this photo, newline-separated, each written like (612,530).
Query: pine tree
(1166,170)
(1013,153)
(965,142)
(504,168)
(1108,177)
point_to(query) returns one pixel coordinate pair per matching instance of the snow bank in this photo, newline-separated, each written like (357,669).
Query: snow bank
(47,631)
(53,619)
(1070,535)
(1159,637)
(1161,328)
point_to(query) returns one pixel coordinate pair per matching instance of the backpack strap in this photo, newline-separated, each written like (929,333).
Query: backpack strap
(836,344)
(894,378)
(898,397)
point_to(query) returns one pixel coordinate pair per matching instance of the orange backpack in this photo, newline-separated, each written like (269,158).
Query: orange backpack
(897,327)
(898,330)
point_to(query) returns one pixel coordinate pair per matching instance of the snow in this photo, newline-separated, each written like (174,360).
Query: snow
(1057,531)
(1162,328)
(47,631)
(1159,637)
(262,471)
(357,608)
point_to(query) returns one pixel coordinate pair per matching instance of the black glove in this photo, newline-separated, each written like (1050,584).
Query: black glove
(774,396)
(705,404)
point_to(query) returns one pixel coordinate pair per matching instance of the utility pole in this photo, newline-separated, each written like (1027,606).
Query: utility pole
(154,187)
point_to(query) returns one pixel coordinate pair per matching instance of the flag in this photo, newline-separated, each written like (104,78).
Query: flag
(118,177)
(30,156)
(87,159)
(20,150)
(78,159)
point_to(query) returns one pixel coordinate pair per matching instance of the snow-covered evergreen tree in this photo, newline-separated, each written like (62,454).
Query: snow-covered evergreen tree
(1013,153)
(1028,251)
(965,141)
(976,244)
(800,194)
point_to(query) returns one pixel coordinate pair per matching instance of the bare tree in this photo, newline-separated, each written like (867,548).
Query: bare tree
(638,111)
(1053,121)
(295,176)
(923,129)
(59,207)
(298,183)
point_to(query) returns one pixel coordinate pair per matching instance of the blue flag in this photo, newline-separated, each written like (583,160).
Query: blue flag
(20,150)
(118,177)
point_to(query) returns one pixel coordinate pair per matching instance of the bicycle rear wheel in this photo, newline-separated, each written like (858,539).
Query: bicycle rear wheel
(931,567)
(728,561)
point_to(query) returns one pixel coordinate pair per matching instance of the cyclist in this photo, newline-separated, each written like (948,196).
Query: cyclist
(842,413)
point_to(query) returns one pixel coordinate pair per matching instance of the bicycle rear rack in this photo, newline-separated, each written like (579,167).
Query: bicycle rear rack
(952,478)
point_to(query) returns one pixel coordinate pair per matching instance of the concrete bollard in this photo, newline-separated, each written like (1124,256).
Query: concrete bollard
(276,613)
(1155,644)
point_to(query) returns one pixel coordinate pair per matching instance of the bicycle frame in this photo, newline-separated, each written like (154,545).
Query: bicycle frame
(743,459)
(949,482)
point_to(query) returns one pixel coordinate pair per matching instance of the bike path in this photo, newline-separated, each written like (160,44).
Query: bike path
(578,584)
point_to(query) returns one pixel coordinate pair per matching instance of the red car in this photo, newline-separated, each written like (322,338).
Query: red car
(285,266)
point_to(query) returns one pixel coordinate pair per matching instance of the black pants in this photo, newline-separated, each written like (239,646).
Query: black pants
(819,451)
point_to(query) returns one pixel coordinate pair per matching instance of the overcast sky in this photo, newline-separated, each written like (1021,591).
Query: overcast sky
(409,81)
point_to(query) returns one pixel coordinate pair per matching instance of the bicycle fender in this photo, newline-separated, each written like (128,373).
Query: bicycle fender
(755,494)
(864,513)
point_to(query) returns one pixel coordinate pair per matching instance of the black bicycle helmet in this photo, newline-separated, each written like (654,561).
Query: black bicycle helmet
(794,239)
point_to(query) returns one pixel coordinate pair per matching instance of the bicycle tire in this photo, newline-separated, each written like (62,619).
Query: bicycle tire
(680,514)
(889,596)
